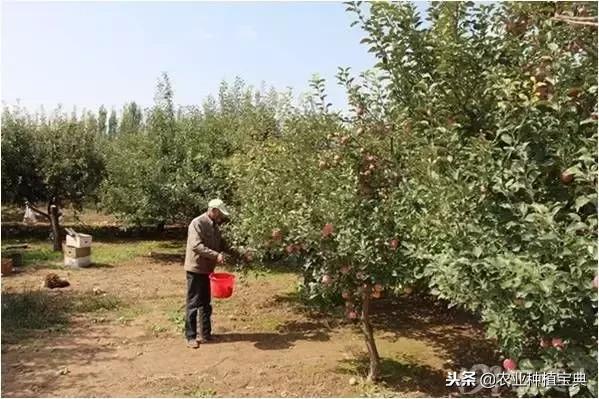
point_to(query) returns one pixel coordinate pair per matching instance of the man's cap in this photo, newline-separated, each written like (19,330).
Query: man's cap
(220,205)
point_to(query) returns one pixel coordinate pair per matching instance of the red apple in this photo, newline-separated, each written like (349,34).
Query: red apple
(566,177)
(543,91)
(394,244)
(345,295)
(510,364)
(290,248)
(344,269)
(327,230)
(557,343)
(595,282)
(327,279)
(352,315)
(574,92)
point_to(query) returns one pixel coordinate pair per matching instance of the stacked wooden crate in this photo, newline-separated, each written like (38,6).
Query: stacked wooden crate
(12,257)
(7,265)
(77,250)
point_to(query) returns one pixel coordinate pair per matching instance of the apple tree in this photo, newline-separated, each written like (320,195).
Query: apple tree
(321,193)
(54,160)
(495,109)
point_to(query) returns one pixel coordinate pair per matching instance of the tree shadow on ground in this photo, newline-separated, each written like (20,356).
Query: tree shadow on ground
(288,333)
(456,333)
(400,376)
(95,265)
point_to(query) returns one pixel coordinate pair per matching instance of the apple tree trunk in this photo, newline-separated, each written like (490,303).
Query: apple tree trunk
(52,216)
(55,224)
(373,354)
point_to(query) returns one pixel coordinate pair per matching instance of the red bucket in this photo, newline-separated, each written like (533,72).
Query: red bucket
(221,285)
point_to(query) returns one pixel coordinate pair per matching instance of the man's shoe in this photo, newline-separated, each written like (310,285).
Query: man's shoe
(193,344)
(207,339)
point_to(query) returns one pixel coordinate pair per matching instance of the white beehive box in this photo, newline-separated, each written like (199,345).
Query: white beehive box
(78,262)
(79,240)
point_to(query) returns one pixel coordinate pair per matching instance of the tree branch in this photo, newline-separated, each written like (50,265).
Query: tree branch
(584,21)
(34,209)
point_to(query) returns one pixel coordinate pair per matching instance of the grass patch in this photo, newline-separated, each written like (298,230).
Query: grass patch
(33,310)
(40,253)
(129,313)
(177,317)
(116,252)
(268,323)
(90,302)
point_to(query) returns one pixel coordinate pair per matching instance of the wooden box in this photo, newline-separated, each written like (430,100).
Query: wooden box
(75,252)
(16,257)
(6,266)
(78,262)
(79,240)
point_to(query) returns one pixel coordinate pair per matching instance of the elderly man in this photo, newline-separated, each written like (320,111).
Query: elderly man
(205,249)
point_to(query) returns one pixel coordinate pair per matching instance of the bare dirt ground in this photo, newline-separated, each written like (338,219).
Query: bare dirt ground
(270,345)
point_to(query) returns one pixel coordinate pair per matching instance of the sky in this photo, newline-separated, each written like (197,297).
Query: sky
(86,54)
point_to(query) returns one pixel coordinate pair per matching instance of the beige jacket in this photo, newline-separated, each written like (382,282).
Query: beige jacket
(204,243)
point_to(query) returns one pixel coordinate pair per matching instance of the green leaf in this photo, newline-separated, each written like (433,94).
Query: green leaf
(526,365)
(506,138)
(583,200)
(573,390)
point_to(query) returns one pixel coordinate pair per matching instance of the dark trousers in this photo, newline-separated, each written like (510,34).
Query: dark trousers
(198,305)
